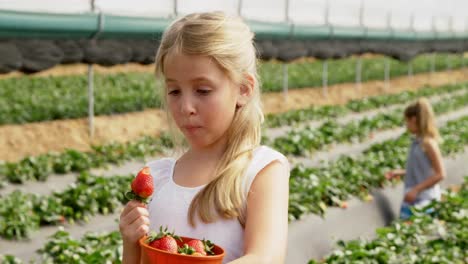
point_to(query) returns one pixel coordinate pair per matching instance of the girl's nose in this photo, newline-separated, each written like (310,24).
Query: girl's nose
(187,106)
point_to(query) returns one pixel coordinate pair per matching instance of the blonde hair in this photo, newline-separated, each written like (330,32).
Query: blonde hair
(229,42)
(425,120)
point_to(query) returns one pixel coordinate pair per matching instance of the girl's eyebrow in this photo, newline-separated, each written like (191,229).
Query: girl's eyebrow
(170,80)
(197,79)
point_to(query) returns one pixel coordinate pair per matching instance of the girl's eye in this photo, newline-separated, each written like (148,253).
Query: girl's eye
(203,91)
(173,92)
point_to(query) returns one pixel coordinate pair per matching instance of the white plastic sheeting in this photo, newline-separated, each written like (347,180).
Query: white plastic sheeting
(418,15)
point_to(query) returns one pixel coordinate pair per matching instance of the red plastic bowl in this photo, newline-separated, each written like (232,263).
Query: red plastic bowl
(151,255)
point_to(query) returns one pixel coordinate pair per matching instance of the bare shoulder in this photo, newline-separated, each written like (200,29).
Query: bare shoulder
(275,167)
(276,172)
(431,144)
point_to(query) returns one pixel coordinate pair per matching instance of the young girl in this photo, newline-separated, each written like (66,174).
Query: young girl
(424,167)
(225,187)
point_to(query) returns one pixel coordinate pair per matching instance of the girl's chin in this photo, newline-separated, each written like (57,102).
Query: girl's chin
(196,142)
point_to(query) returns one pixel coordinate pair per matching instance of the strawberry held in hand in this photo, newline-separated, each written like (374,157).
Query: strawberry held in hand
(163,240)
(142,186)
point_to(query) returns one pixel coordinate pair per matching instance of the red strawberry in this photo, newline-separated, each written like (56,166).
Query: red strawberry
(142,186)
(166,243)
(163,240)
(344,205)
(203,247)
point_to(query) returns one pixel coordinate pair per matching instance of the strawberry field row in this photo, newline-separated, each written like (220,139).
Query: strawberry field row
(311,189)
(441,237)
(35,99)
(21,214)
(306,140)
(358,105)
(40,167)
(61,248)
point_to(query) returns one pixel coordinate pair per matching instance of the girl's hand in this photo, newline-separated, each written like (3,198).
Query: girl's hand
(411,196)
(134,222)
(389,175)
(394,174)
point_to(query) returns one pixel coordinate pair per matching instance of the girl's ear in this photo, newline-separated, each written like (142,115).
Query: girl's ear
(245,90)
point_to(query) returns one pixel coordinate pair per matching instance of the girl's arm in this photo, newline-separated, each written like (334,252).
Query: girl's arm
(266,228)
(435,157)
(395,173)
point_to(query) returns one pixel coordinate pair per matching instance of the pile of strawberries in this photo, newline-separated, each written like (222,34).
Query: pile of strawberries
(167,241)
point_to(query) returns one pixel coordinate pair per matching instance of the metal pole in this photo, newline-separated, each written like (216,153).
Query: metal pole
(361,14)
(463,67)
(410,70)
(175,11)
(359,73)
(91,101)
(327,12)
(463,51)
(454,79)
(433,62)
(462,61)
(433,55)
(448,61)
(239,7)
(387,59)
(285,81)
(325,78)
(285,65)
(91,76)
(410,62)
(387,74)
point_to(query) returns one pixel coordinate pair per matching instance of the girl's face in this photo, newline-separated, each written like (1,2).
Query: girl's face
(201,98)
(411,124)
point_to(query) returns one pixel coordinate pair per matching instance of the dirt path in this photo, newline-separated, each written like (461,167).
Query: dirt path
(18,141)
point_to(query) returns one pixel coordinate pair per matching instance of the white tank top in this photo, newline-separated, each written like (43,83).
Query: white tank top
(170,203)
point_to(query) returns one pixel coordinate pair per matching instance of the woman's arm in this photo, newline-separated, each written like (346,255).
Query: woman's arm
(266,228)
(433,152)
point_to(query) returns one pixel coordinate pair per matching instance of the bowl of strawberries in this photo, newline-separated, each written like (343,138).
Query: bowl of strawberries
(166,248)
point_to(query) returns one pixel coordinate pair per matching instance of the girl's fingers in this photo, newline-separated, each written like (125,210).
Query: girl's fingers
(140,221)
(140,232)
(130,206)
(135,230)
(134,214)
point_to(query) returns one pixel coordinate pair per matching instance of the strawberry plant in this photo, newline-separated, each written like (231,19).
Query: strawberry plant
(9,259)
(91,248)
(40,167)
(437,238)
(35,99)
(17,216)
(22,213)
